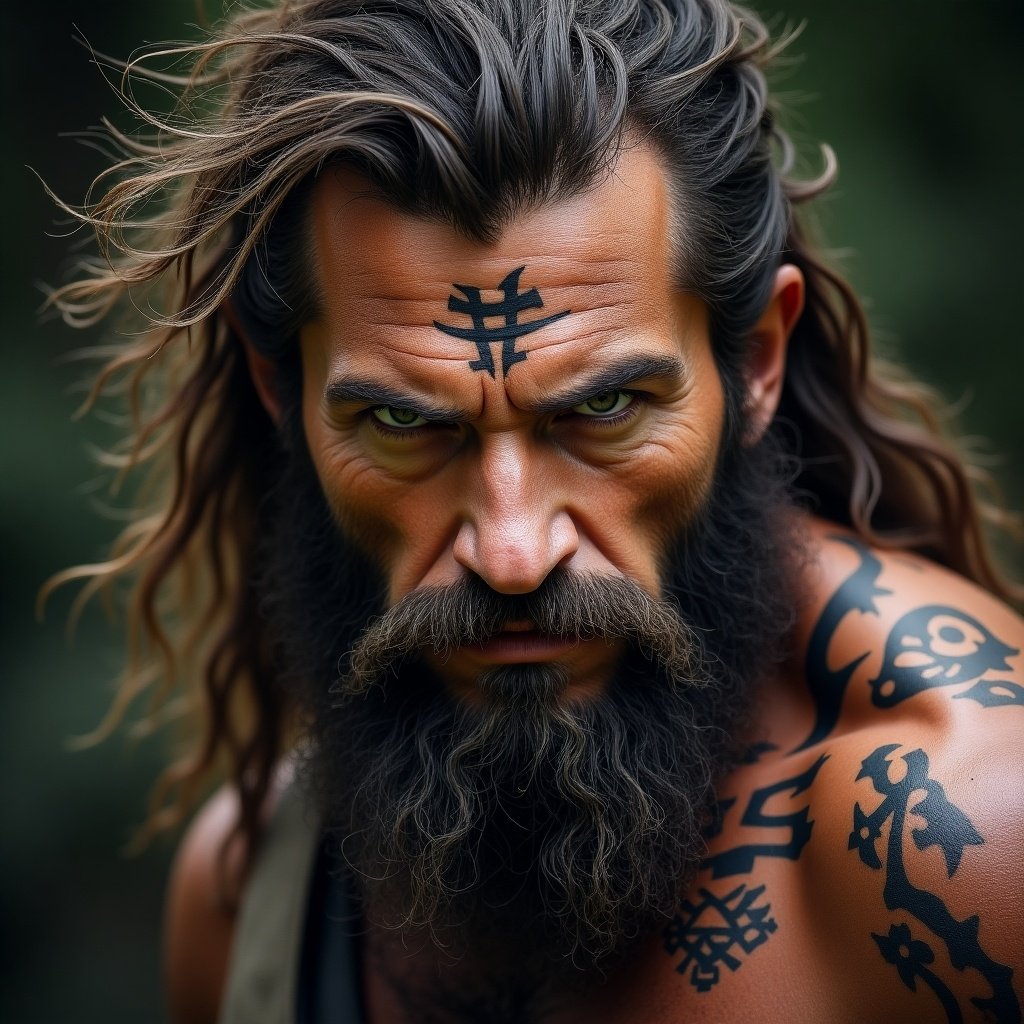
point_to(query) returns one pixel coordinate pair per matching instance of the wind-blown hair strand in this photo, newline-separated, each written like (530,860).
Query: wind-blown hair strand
(468,111)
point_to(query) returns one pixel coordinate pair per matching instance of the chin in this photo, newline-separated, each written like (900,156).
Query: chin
(540,816)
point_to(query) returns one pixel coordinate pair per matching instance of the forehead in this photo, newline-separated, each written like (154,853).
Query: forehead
(592,274)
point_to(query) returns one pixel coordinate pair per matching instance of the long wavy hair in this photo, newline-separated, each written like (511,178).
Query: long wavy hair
(468,111)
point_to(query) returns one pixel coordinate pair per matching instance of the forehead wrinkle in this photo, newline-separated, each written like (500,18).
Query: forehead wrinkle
(373,275)
(388,311)
(423,340)
(433,294)
(596,335)
(389,360)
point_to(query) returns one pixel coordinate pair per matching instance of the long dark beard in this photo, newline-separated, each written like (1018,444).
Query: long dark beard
(536,835)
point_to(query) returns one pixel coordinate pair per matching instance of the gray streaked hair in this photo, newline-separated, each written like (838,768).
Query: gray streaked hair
(467,111)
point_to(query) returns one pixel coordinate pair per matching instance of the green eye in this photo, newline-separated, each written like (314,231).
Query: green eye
(398,419)
(606,404)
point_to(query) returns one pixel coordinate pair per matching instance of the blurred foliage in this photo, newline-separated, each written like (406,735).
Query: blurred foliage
(922,103)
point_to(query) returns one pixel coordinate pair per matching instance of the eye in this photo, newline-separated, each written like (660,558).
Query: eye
(397,418)
(605,405)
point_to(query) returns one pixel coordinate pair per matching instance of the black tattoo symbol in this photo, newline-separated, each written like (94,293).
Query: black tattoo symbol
(939,646)
(828,687)
(911,957)
(709,931)
(948,828)
(716,813)
(756,751)
(513,303)
(716,817)
(740,859)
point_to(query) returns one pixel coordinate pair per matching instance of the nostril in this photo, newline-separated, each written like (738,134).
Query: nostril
(565,539)
(515,554)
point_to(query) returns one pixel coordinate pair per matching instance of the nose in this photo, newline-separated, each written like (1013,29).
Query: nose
(516,528)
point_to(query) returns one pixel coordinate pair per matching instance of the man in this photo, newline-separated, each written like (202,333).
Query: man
(588,632)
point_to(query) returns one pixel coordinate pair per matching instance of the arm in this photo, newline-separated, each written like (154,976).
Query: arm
(926,895)
(925,794)
(198,925)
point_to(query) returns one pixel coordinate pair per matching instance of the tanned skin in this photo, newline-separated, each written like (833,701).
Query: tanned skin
(862,864)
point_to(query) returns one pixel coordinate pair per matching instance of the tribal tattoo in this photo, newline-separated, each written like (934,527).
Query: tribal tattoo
(714,929)
(739,860)
(931,646)
(508,309)
(717,930)
(949,829)
(928,647)
(941,646)
(828,687)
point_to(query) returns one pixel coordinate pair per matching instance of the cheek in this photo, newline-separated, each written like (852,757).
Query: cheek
(402,527)
(662,497)
(632,511)
(679,477)
(357,498)
(670,481)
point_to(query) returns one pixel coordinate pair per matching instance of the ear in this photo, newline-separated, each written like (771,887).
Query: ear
(262,370)
(766,365)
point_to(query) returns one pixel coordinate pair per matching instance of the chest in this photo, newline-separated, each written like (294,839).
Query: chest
(749,937)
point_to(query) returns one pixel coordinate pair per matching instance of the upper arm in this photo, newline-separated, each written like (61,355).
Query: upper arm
(918,681)
(198,924)
(923,872)
(918,863)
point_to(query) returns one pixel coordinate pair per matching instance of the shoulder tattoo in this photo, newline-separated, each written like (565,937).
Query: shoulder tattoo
(721,925)
(949,829)
(929,647)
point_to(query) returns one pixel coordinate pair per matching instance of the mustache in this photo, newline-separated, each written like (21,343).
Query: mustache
(568,604)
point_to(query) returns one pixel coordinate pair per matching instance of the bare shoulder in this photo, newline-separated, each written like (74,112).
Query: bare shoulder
(863,861)
(901,655)
(199,923)
(917,684)
(199,919)
(888,635)
(913,876)
(925,609)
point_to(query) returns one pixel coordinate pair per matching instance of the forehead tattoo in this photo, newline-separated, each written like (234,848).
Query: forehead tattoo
(512,303)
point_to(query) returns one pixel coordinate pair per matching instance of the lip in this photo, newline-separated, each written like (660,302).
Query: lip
(517,645)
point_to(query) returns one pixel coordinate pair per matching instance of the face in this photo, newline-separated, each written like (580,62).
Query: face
(513,542)
(585,438)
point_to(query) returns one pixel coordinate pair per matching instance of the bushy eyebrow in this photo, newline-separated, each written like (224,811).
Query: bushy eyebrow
(344,390)
(627,370)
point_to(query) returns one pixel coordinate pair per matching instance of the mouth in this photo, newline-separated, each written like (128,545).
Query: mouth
(521,642)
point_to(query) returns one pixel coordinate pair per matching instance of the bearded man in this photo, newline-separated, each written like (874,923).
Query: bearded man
(589,629)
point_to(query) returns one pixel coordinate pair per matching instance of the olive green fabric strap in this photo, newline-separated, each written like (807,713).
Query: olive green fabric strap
(264,966)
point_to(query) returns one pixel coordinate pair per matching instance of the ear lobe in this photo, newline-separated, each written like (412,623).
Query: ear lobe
(766,365)
(262,370)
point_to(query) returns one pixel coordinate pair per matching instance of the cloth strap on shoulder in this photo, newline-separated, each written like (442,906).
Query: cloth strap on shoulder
(264,968)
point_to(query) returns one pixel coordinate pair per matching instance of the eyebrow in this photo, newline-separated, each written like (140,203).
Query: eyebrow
(341,391)
(616,375)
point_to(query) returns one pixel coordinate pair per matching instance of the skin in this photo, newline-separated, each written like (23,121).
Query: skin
(516,474)
(520,475)
(503,488)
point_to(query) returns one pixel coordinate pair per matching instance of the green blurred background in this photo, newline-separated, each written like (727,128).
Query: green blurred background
(922,102)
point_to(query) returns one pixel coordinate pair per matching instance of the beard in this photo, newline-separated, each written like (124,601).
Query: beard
(535,840)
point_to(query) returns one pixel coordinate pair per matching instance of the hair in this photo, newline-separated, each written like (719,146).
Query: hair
(466,111)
